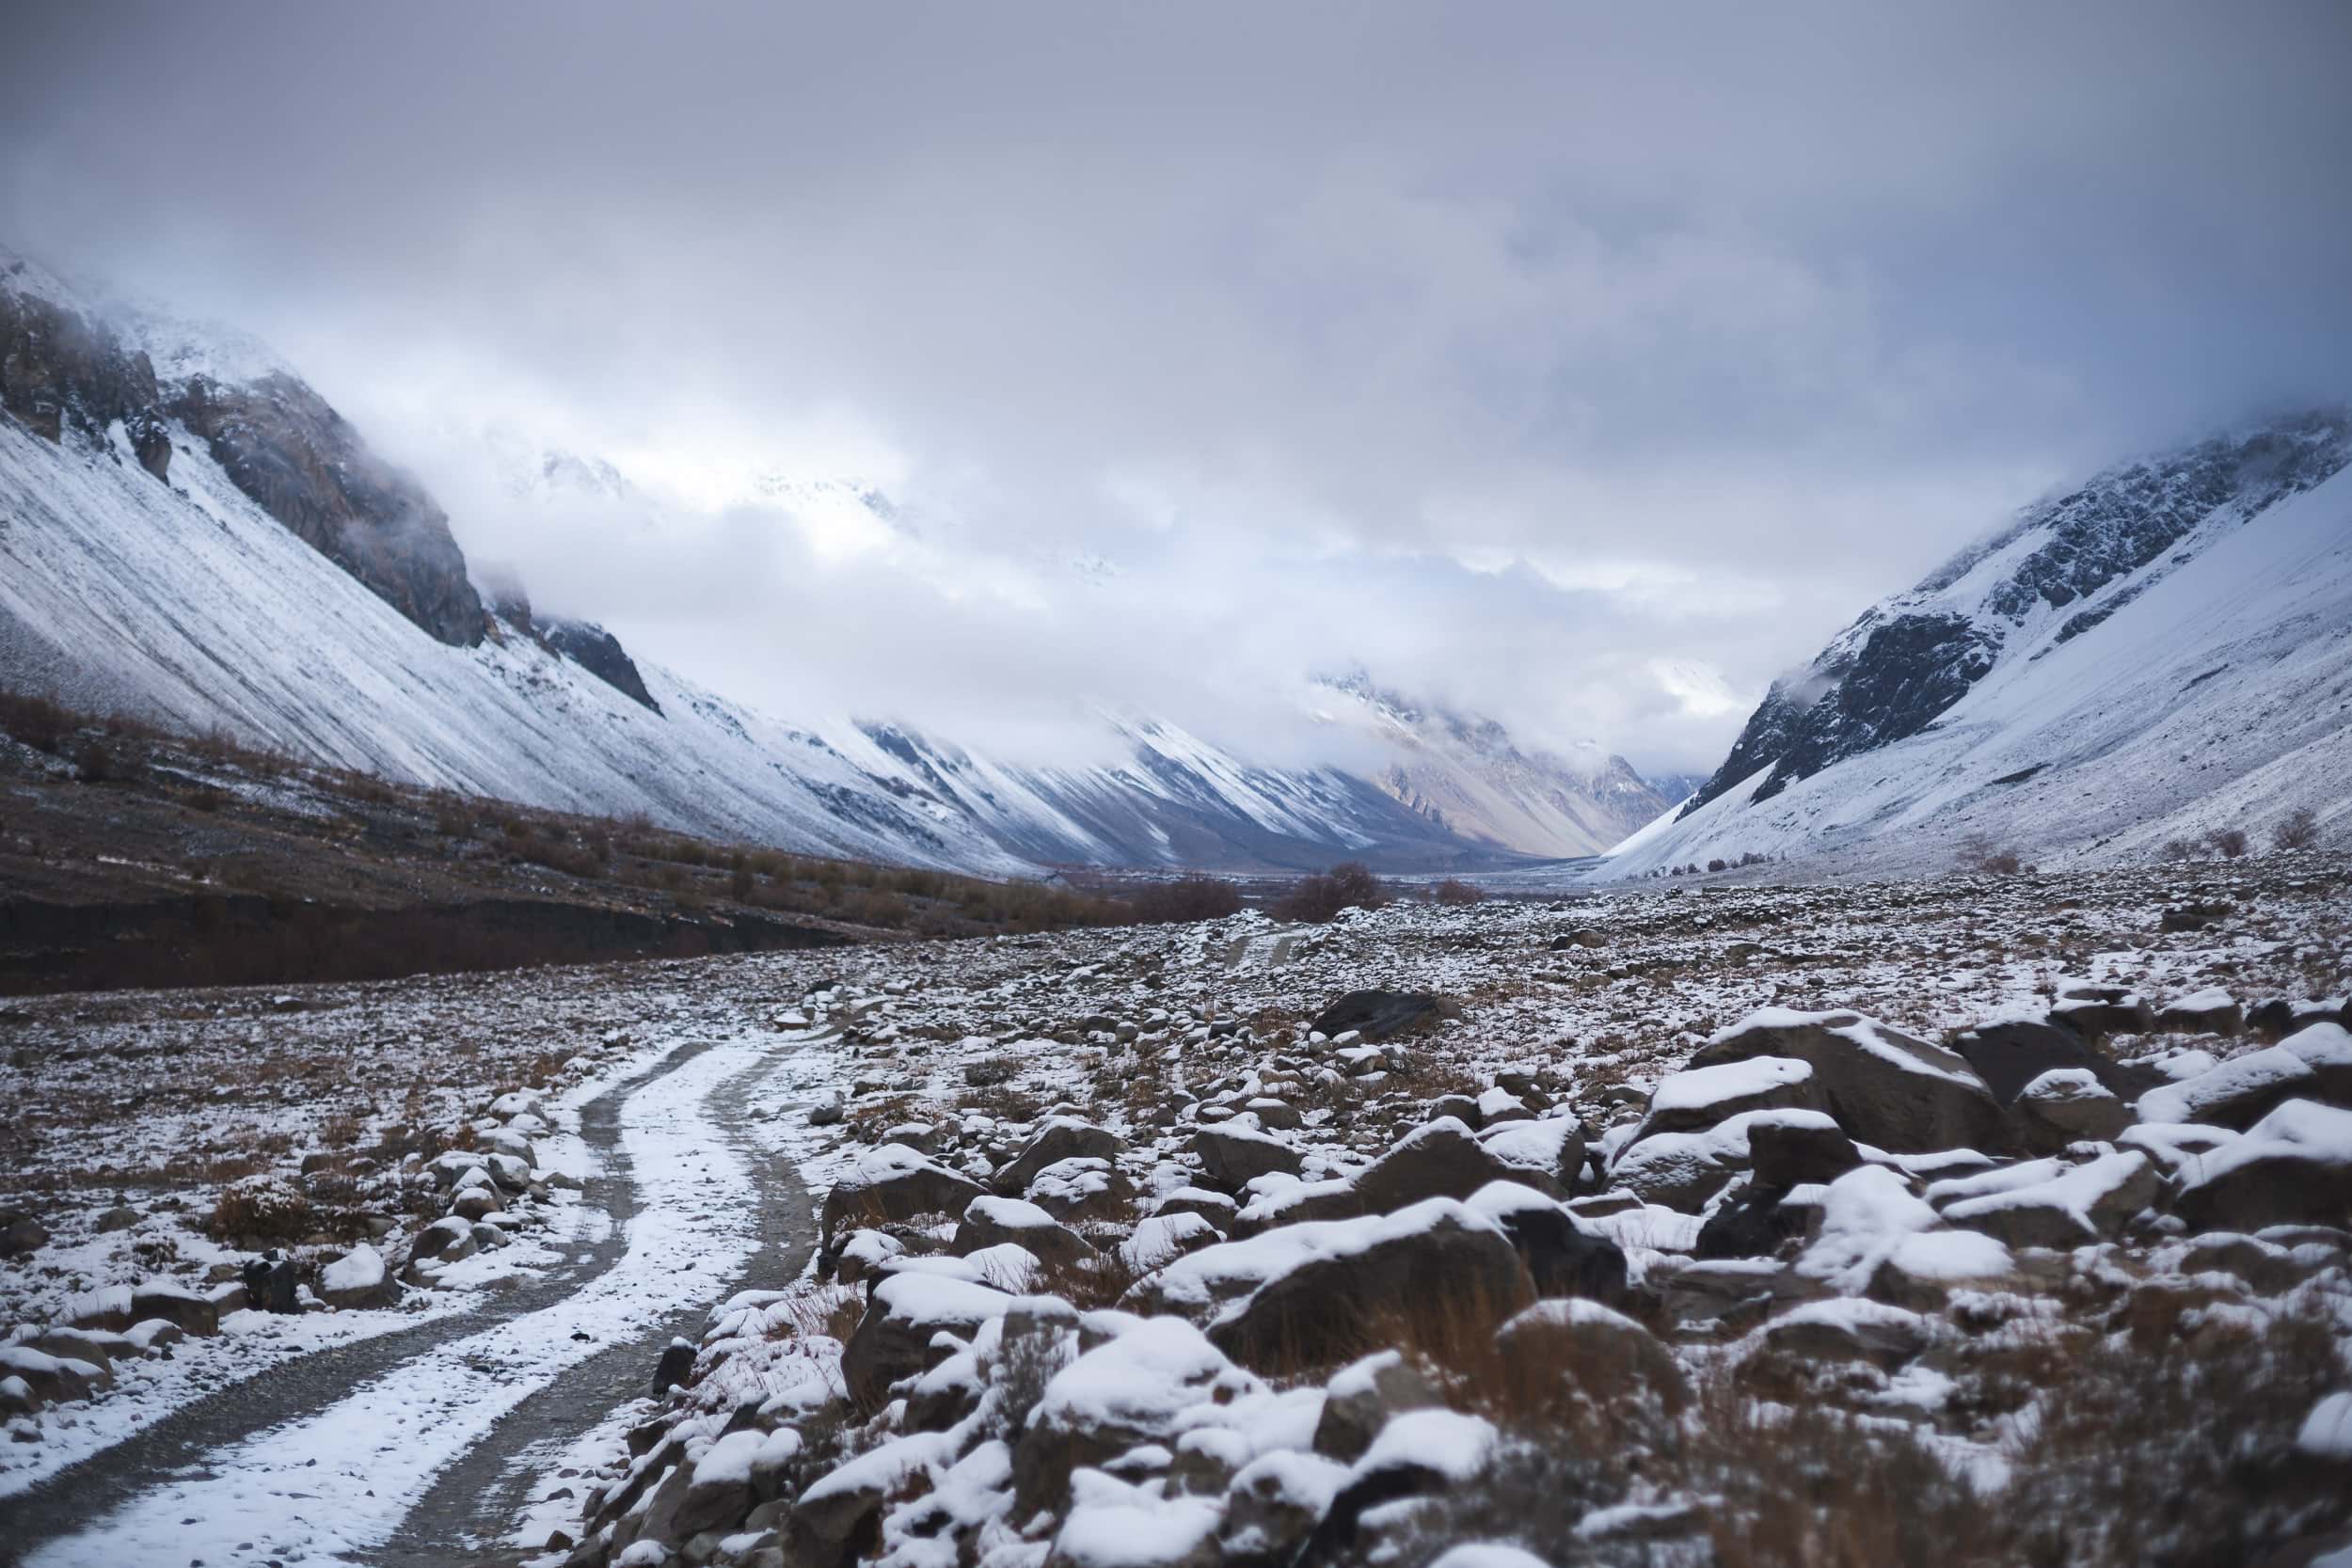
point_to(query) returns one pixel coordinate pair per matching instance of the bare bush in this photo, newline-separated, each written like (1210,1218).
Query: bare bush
(1190,897)
(1979,854)
(2229,843)
(2297,829)
(1453,891)
(1317,898)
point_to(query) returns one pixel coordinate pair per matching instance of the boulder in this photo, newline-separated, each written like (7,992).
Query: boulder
(1082,1188)
(177,1305)
(20,1233)
(2236,1094)
(1795,1153)
(2099,1011)
(1698,1097)
(1373,1275)
(1362,1397)
(893,1340)
(1601,1352)
(2010,1054)
(2074,1207)
(1440,1160)
(2292,1168)
(1137,1387)
(447,1240)
(1560,1257)
(358,1278)
(52,1378)
(1883,1087)
(1377,1014)
(1547,1152)
(2072,1104)
(894,1183)
(2211,1011)
(2327,1049)
(1461,1107)
(1274,1504)
(992,1221)
(1059,1138)
(271,1282)
(1682,1170)
(1235,1153)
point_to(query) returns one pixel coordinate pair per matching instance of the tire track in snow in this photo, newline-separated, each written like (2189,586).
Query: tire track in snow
(323,1459)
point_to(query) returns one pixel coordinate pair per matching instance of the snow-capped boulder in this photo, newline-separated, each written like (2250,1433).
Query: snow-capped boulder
(991,1221)
(1440,1160)
(1060,1138)
(1563,1258)
(2210,1011)
(358,1278)
(894,1183)
(1873,1227)
(2292,1168)
(1377,1015)
(2236,1094)
(1139,1386)
(1236,1152)
(2073,1104)
(893,1339)
(1785,1152)
(1883,1087)
(1081,1187)
(1362,1397)
(1682,1170)
(1356,1280)
(1700,1097)
(2043,1203)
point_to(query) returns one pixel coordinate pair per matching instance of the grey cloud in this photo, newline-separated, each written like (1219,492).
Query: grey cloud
(1751,312)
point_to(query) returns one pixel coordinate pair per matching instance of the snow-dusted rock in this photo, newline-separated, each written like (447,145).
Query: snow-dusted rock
(1682,1170)
(989,1220)
(1440,1160)
(358,1278)
(2073,1104)
(1360,1399)
(2293,1166)
(1137,1387)
(2040,1203)
(1883,1086)
(1059,1138)
(2236,1094)
(2210,1011)
(1236,1152)
(1605,1354)
(894,1183)
(2011,1052)
(1698,1097)
(893,1339)
(1081,1187)
(1871,1222)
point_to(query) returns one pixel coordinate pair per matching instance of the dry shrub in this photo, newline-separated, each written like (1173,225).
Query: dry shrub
(1348,885)
(1979,854)
(2229,843)
(36,720)
(2297,829)
(1194,896)
(1455,891)
(261,1209)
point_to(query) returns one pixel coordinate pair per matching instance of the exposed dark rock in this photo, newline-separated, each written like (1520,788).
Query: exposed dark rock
(1883,1087)
(1791,1154)
(1060,1138)
(598,652)
(1750,1224)
(304,465)
(1377,1014)
(1440,1160)
(2008,1056)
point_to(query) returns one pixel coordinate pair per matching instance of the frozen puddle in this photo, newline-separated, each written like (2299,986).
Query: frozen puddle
(336,1482)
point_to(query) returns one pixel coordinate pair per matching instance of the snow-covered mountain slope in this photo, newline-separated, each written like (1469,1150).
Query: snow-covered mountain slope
(2165,651)
(1465,775)
(228,553)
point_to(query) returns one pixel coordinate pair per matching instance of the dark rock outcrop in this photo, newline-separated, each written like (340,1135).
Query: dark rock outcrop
(598,652)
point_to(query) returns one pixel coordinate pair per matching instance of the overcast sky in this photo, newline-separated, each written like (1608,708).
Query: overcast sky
(1587,367)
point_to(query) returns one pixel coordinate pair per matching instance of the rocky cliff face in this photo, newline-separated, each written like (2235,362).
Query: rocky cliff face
(66,372)
(2076,561)
(62,371)
(308,468)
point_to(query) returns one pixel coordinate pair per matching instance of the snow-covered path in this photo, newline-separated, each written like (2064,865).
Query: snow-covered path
(341,1479)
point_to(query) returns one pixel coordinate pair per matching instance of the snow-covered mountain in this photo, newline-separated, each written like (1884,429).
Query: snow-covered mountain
(1464,774)
(2164,650)
(189,531)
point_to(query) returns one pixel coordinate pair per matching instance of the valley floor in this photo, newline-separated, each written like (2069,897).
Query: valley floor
(504,1195)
